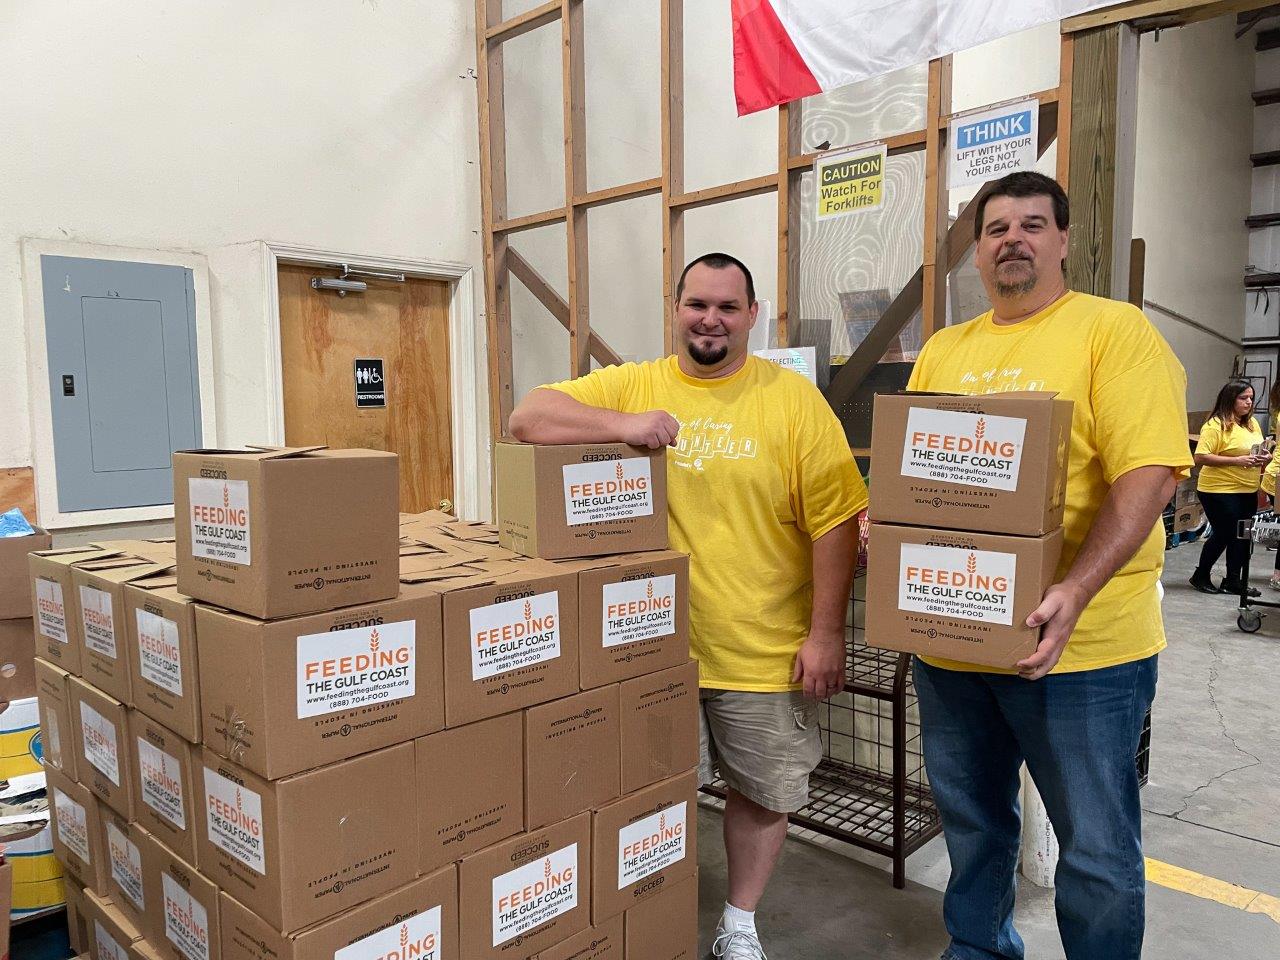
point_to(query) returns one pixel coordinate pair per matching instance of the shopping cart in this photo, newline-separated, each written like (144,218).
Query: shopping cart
(1264,528)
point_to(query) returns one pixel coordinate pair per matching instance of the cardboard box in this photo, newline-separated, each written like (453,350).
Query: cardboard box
(301,849)
(77,834)
(510,635)
(1187,518)
(57,726)
(111,933)
(666,926)
(570,756)
(164,790)
(643,844)
(604,942)
(164,675)
(17,659)
(182,915)
(659,726)
(77,928)
(101,725)
(124,865)
(99,586)
(57,614)
(958,596)
(417,922)
(20,739)
(15,578)
(1186,494)
(470,789)
(633,615)
(282,696)
(993,462)
(279,533)
(580,500)
(527,893)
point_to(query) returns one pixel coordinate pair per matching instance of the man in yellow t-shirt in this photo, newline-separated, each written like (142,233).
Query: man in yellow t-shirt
(1074,709)
(764,496)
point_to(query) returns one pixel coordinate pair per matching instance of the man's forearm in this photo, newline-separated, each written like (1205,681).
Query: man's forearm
(549,416)
(834,556)
(1124,521)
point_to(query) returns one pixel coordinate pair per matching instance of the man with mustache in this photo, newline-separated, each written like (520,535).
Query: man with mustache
(1073,710)
(764,496)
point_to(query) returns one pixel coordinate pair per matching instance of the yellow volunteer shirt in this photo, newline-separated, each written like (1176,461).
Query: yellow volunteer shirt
(1236,442)
(1130,411)
(761,469)
(1269,475)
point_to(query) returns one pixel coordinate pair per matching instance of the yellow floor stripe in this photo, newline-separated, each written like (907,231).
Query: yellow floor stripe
(1207,888)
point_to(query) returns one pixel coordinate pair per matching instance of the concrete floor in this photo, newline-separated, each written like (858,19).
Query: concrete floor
(1212,806)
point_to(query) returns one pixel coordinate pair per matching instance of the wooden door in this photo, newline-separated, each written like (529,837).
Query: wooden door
(406,325)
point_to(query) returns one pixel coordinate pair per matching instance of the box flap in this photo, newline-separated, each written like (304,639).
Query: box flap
(256,452)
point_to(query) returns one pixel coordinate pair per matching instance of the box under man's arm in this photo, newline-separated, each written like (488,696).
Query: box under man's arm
(550,416)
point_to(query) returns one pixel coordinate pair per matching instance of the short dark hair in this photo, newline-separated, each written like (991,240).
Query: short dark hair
(718,261)
(1027,183)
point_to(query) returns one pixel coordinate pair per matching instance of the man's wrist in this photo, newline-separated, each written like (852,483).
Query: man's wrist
(831,635)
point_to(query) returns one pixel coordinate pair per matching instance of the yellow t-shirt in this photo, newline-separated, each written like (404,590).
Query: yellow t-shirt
(761,469)
(1236,442)
(1269,475)
(1130,411)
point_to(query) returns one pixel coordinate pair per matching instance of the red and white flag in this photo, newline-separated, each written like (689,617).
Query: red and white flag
(786,49)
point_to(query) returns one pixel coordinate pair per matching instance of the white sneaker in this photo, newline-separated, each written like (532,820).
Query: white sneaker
(737,945)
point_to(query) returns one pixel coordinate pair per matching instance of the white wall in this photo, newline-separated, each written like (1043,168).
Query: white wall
(1195,123)
(339,124)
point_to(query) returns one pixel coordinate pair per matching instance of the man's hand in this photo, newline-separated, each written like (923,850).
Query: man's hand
(654,429)
(1057,615)
(820,665)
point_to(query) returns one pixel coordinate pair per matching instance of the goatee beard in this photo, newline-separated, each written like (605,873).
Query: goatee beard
(708,357)
(1018,288)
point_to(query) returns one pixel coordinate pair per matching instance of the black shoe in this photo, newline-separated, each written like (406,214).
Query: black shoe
(1202,583)
(1233,586)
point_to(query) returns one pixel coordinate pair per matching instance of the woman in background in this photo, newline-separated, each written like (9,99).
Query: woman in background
(1230,461)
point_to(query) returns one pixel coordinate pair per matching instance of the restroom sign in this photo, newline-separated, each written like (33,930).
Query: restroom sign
(370,384)
(986,146)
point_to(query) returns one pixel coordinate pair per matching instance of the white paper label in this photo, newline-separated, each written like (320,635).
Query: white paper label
(53,749)
(607,490)
(50,611)
(639,610)
(988,145)
(956,582)
(160,651)
(513,634)
(974,449)
(418,938)
(357,667)
(186,921)
(651,844)
(803,360)
(219,519)
(100,747)
(108,948)
(235,820)
(531,895)
(126,864)
(161,777)
(73,825)
(99,621)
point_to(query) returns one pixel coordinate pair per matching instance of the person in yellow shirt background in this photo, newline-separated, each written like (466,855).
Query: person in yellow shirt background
(1230,472)
(1074,709)
(1271,472)
(764,495)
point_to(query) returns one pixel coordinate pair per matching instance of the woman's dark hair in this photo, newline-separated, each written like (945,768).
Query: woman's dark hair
(1224,408)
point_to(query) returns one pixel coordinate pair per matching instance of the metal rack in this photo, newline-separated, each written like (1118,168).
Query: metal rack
(870,790)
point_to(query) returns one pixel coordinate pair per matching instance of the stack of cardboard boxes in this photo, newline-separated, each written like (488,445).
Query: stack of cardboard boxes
(332,731)
(968,507)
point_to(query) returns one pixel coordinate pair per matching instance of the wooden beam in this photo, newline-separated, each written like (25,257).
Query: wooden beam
(910,142)
(518,26)
(1137,272)
(1103,121)
(1268,158)
(1066,73)
(1259,220)
(789,212)
(1160,13)
(573,62)
(531,221)
(493,207)
(738,190)
(936,199)
(672,43)
(1265,98)
(626,191)
(556,305)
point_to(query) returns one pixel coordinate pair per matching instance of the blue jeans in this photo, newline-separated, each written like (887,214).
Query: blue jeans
(1078,733)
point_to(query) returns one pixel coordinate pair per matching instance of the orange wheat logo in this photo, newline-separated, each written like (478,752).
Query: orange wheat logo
(528,609)
(972,564)
(980,430)
(226,496)
(404,934)
(546,867)
(648,590)
(373,641)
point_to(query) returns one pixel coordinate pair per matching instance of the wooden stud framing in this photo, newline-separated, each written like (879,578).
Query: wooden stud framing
(934,261)
(672,41)
(1160,14)
(788,216)
(575,183)
(1066,71)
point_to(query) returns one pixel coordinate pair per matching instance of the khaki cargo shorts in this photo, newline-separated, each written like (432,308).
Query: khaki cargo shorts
(764,745)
